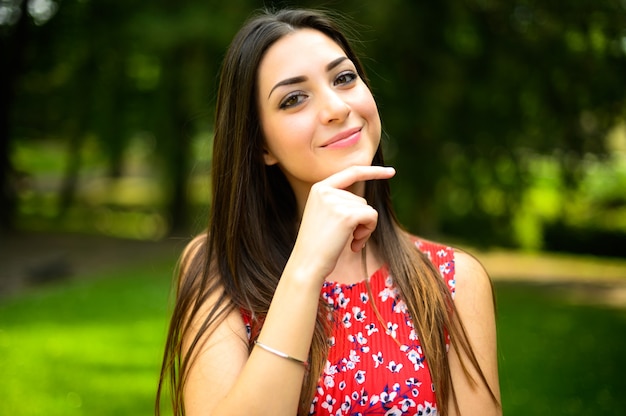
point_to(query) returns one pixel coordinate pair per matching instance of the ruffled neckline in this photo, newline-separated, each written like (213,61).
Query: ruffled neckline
(380,273)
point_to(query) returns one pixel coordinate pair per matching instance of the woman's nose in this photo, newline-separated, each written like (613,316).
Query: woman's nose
(333,107)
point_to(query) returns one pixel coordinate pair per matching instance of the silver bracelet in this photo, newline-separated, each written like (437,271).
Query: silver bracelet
(281,354)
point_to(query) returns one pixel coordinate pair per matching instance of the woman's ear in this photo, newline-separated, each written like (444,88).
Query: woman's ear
(269,158)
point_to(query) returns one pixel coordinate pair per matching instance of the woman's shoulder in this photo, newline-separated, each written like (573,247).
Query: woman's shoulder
(470,273)
(192,260)
(455,265)
(194,247)
(442,253)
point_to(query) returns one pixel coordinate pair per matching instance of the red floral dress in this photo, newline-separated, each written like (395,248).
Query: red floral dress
(376,368)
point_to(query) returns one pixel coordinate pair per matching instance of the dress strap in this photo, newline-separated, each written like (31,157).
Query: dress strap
(442,257)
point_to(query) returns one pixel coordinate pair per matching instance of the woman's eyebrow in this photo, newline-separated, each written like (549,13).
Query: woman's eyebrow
(335,62)
(296,80)
(288,81)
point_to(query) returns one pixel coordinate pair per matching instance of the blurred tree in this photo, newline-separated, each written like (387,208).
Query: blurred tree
(14,32)
(467,91)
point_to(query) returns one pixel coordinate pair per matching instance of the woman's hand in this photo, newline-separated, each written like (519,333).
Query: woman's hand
(333,217)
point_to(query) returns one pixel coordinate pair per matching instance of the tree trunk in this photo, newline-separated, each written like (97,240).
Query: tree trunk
(13,46)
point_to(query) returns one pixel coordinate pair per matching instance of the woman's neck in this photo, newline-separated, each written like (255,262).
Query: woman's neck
(350,269)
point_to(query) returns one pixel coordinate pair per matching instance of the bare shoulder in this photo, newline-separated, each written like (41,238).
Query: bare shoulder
(474,303)
(216,333)
(214,316)
(470,275)
(194,248)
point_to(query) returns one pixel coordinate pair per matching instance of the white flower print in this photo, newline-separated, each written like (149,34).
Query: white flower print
(348,365)
(330,369)
(385,294)
(347,403)
(364,398)
(359,338)
(360,376)
(394,411)
(452,285)
(359,315)
(400,307)
(346,320)
(426,409)
(331,341)
(389,281)
(413,382)
(329,403)
(406,404)
(393,381)
(343,300)
(386,397)
(391,329)
(415,357)
(378,359)
(313,403)
(394,368)
(371,328)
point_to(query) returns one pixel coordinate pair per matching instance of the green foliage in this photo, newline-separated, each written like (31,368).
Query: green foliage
(469,92)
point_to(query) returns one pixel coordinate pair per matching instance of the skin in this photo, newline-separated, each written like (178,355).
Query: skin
(309,93)
(323,103)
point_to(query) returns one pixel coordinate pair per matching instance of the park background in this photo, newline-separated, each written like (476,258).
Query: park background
(505,121)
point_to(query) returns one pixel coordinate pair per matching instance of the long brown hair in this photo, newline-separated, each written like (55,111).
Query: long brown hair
(253,226)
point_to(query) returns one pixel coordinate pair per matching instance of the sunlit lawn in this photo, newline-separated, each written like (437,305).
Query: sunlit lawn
(93,347)
(558,358)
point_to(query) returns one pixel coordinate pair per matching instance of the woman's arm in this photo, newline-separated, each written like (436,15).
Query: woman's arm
(223,380)
(474,304)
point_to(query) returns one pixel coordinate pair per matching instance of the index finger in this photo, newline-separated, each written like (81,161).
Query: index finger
(349,176)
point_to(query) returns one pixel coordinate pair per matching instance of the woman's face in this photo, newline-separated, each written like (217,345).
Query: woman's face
(317,115)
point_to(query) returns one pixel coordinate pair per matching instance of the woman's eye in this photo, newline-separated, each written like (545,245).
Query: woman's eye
(292,100)
(345,78)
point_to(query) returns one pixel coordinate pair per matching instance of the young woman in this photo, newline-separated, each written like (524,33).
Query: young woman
(305,296)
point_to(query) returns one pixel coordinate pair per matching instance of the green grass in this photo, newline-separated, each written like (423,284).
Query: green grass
(557,357)
(93,347)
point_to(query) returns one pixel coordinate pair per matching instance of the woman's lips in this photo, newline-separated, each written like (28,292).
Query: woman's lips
(344,139)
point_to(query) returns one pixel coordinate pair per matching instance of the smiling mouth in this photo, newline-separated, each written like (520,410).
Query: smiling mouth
(344,139)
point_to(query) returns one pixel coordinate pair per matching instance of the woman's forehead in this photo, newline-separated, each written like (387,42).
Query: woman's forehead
(297,53)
